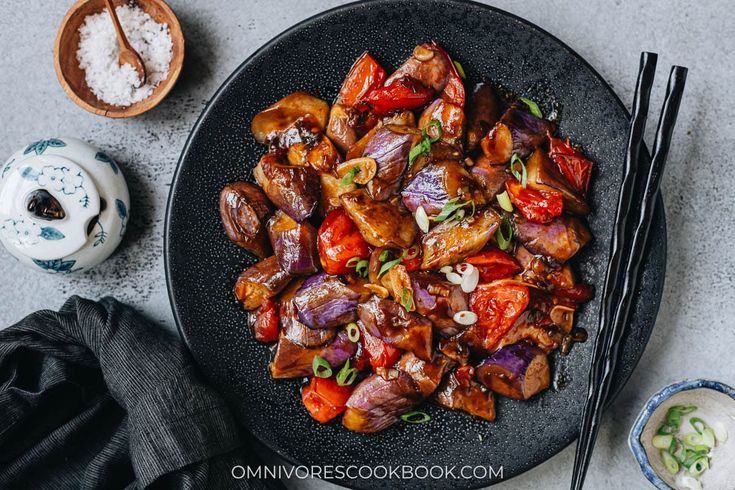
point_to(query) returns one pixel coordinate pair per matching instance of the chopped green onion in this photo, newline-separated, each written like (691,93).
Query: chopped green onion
(389,265)
(662,442)
(384,255)
(407,299)
(437,125)
(698,424)
(353,262)
(699,466)
(504,201)
(321,367)
(423,147)
(362,268)
(346,376)
(415,417)
(672,466)
(460,70)
(521,176)
(504,239)
(353,332)
(692,439)
(708,437)
(532,106)
(347,179)
(451,207)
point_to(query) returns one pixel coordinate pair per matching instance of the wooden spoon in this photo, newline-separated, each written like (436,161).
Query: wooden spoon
(128,55)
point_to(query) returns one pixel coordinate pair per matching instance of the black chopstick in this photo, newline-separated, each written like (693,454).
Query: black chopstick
(625,278)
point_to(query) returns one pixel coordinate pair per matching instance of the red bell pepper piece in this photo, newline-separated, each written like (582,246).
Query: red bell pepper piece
(402,94)
(324,398)
(571,163)
(338,241)
(454,89)
(379,353)
(365,75)
(265,326)
(539,206)
(497,307)
(495,264)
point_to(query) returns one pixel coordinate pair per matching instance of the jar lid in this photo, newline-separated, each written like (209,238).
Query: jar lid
(47,204)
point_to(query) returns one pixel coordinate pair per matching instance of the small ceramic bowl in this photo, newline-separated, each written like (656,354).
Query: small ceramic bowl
(72,77)
(710,397)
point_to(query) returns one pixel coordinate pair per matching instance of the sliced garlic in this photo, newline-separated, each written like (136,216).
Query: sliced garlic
(465,268)
(422,219)
(454,278)
(445,269)
(465,317)
(470,280)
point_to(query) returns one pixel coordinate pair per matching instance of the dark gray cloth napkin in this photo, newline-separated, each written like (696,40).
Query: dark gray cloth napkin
(95,397)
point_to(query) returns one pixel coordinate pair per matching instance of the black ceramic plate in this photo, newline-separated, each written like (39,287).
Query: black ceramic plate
(202,265)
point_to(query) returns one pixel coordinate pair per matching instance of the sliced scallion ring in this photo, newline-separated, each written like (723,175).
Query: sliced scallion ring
(692,439)
(321,367)
(504,234)
(698,424)
(708,437)
(388,266)
(672,466)
(504,201)
(353,262)
(346,376)
(415,417)
(662,442)
(353,332)
(384,255)
(347,179)
(522,174)
(362,268)
(407,300)
(532,107)
(436,125)
(699,466)
(460,70)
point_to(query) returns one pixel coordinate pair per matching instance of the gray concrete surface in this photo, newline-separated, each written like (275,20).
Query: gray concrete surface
(694,335)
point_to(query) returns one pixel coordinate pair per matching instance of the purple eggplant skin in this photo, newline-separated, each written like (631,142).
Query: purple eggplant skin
(294,244)
(518,371)
(482,114)
(490,179)
(391,322)
(528,131)
(453,241)
(244,209)
(292,328)
(378,402)
(559,240)
(436,184)
(323,301)
(438,300)
(389,148)
(260,282)
(294,190)
(474,399)
(292,360)
(339,130)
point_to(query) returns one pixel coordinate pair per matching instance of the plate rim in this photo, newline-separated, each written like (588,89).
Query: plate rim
(659,210)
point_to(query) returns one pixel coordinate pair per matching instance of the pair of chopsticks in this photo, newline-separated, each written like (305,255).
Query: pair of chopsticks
(636,204)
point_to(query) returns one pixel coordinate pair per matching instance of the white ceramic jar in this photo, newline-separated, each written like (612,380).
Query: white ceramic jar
(64,205)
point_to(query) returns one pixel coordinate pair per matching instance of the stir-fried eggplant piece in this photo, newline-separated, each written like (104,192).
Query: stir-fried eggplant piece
(389,147)
(489,178)
(324,302)
(436,184)
(259,282)
(452,241)
(390,322)
(451,119)
(294,190)
(466,395)
(518,132)
(426,374)
(454,349)
(536,328)
(339,129)
(438,301)
(292,328)
(294,244)
(378,402)
(276,118)
(305,145)
(381,224)
(244,209)
(292,360)
(543,175)
(482,114)
(517,371)
(560,239)
(428,64)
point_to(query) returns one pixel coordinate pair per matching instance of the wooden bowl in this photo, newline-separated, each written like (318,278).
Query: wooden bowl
(72,76)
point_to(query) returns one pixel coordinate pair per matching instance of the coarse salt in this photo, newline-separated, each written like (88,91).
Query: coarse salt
(99,50)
